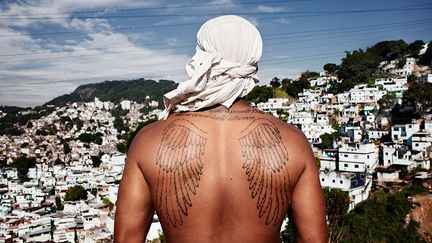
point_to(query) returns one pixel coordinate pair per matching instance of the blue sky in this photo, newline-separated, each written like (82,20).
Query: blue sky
(50,47)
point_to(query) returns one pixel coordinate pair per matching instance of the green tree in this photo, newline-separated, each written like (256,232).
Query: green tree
(330,67)
(66,148)
(337,204)
(296,87)
(75,193)
(327,140)
(275,82)
(415,47)
(305,76)
(58,161)
(412,78)
(121,147)
(381,218)
(282,114)
(108,203)
(421,94)
(89,137)
(285,82)
(96,159)
(120,125)
(260,94)
(58,203)
(426,58)
(23,164)
(386,102)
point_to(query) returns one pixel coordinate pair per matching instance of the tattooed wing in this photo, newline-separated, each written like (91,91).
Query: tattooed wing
(180,169)
(265,159)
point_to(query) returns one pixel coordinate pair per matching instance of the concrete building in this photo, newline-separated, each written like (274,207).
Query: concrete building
(350,158)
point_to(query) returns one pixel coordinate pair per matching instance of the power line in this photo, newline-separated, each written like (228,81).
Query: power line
(158,63)
(297,13)
(197,23)
(333,35)
(393,24)
(154,8)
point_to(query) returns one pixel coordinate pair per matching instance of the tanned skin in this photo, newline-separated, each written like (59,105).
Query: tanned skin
(220,175)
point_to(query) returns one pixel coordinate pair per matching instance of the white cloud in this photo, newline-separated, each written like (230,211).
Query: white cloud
(282,21)
(253,20)
(61,64)
(269,9)
(172,40)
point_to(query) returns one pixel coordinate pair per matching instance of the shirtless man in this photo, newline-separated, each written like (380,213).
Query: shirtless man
(219,174)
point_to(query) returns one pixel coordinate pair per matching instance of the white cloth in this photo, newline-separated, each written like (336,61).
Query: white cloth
(223,68)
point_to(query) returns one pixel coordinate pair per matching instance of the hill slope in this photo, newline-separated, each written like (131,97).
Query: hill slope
(118,90)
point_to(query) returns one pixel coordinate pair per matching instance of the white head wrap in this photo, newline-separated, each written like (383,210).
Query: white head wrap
(223,68)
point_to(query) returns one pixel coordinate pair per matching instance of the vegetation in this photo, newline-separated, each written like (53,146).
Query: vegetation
(131,135)
(426,59)
(58,204)
(420,94)
(76,193)
(115,91)
(380,218)
(96,159)
(337,203)
(327,139)
(330,67)
(360,65)
(66,148)
(275,82)
(120,125)
(108,203)
(260,94)
(386,102)
(23,164)
(18,116)
(295,87)
(91,138)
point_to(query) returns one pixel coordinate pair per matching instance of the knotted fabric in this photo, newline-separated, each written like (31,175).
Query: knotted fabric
(223,68)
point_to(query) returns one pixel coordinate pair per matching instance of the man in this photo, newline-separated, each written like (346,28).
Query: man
(216,169)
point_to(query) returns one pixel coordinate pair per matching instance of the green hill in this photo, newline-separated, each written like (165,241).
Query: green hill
(115,91)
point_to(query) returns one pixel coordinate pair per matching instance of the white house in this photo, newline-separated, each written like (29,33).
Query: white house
(403,133)
(421,140)
(395,154)
(358,185)
(350,158)
(375,134)
(273,104)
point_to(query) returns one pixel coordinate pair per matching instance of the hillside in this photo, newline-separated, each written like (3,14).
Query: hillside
(115,91)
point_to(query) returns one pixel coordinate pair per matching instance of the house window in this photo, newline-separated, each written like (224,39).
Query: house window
(333,181)
(356,166)
(345,165)
(341,182)
(368,156)
(322,179)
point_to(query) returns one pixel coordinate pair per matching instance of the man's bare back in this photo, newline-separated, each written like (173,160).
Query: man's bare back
(220,175)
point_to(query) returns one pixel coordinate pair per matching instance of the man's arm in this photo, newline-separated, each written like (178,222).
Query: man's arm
(307,210)
(134,211)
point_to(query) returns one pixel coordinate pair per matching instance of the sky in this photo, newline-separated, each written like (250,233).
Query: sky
(50,47)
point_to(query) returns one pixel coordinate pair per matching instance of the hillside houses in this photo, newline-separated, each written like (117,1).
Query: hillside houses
(354,115)
(30,210)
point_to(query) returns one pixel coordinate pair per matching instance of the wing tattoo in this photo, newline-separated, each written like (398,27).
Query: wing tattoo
(180,169)
(265,158)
